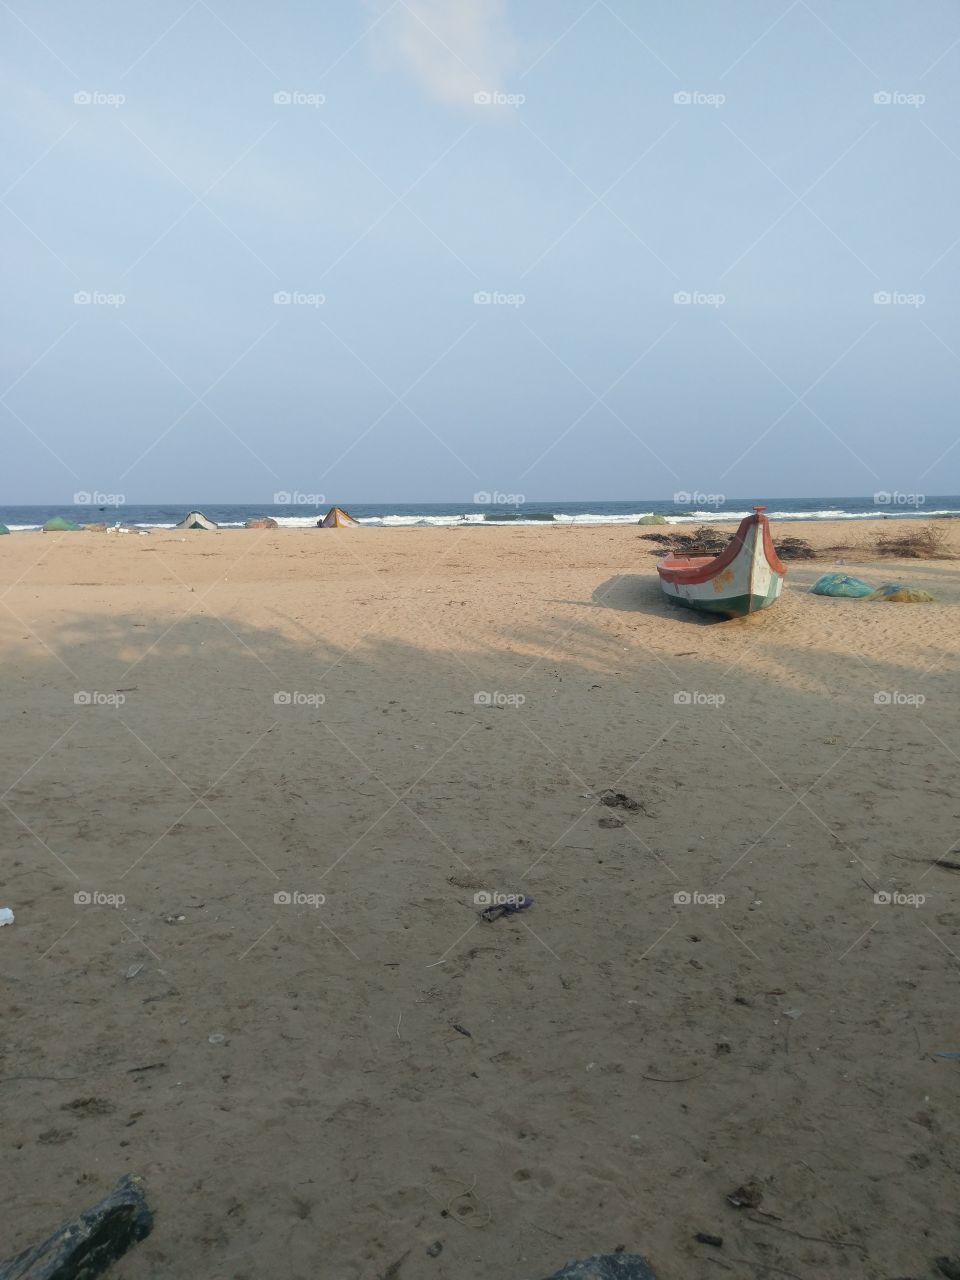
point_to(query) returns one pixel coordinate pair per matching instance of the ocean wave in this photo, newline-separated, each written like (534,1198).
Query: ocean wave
(514,517)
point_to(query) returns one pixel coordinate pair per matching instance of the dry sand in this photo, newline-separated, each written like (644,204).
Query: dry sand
(599,1071)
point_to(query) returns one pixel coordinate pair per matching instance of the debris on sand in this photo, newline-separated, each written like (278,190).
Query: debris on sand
(925,543)
(791,548)
(705,541)
(92,1242)
(748,1196)
(704,1237)
(619,800)
(509,905)
(606,1266)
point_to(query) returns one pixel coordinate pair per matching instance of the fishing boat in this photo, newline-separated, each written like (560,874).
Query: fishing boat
(745,577)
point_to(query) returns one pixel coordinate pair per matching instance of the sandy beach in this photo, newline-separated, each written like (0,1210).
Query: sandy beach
(365,1080)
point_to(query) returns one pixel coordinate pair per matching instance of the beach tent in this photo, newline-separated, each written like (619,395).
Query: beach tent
(60,524)
(337,518)
(3,529)
(196,520)
(261,522)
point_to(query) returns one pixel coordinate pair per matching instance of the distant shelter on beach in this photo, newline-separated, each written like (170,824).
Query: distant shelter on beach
(196,520)
(337,518)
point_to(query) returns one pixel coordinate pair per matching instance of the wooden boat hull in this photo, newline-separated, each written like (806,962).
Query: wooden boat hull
(744,578)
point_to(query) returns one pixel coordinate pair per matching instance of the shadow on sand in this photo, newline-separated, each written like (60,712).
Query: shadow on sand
(232,1021)
(639,593)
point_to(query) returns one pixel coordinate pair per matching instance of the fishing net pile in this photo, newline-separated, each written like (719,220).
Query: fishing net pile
(845,585)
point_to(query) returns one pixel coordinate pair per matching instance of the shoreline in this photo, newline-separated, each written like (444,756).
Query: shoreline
(842,537)
(538,518)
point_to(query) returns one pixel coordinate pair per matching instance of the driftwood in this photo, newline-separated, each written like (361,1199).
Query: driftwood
(86,1247)
(925,543)
(705,541)
(791,548)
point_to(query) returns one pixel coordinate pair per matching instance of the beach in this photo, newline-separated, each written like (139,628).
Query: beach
(254,782)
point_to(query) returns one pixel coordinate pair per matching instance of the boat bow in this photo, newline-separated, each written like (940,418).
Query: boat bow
(745,577)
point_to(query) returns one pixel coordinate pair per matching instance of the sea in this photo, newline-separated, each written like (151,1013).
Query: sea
(702,509)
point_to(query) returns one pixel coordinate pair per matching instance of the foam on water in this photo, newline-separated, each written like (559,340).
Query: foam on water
(533,515)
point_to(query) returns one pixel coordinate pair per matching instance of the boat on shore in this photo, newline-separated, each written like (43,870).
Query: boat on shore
(744,578)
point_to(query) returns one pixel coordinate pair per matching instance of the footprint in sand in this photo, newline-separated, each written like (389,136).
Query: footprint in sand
(533,1184)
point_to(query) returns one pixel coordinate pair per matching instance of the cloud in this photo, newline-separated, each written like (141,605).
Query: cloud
(454,48)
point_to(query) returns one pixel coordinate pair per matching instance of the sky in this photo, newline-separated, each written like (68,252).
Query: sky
(416,250)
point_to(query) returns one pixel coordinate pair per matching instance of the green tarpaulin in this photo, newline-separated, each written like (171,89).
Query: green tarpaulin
(60,524)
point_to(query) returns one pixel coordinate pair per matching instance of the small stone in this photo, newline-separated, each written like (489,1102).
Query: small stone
(434,1250)
(746,1197)
(618,800)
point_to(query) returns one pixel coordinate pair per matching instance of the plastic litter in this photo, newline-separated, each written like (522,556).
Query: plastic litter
(516,902)
(92,1242)
(6,916)
(607,1266)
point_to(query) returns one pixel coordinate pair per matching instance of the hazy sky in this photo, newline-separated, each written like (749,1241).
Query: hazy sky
(779,193)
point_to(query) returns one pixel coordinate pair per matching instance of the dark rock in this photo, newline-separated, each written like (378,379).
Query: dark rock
(606,1266)
(746,1197)
(704,1237)
(618,800)
(86,1247)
